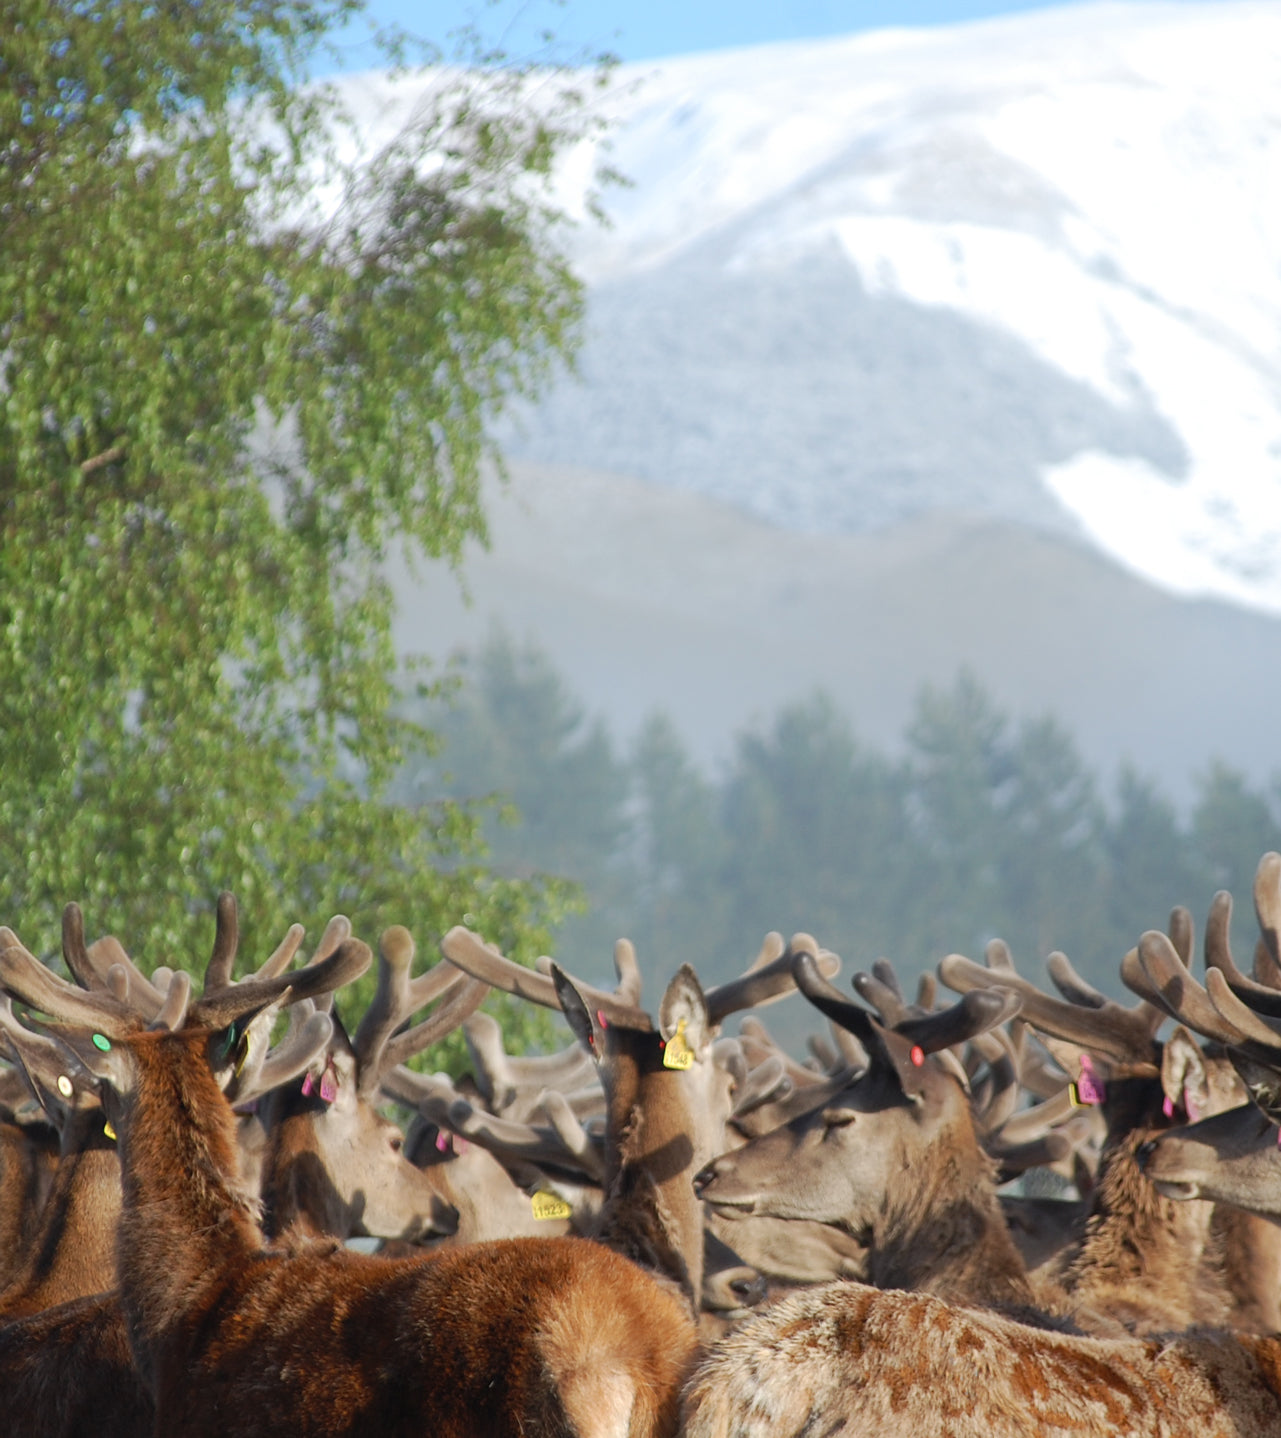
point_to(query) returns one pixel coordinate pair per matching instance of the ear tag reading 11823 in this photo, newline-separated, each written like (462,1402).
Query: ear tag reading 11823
(677,1053)
(550,1205)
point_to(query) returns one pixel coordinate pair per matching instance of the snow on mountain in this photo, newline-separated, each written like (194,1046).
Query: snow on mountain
(1028,268)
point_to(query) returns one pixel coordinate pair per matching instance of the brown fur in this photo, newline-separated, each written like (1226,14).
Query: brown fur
(72,1252)
(850,1359)
(28,1160)
(474,1341)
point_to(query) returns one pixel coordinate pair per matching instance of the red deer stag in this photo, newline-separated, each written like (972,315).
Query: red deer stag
(530,1336)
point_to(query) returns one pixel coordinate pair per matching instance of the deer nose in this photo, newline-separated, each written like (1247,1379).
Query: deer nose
(749,1291)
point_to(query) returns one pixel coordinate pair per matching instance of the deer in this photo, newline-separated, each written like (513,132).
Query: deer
(67,1369)
(533,1336)
(1140,1265)
(903,1115)
(890,1363)
(669,1088)
(331,1164)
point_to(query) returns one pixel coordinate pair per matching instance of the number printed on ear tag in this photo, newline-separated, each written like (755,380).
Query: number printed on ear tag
(677,1053)
(550,1205)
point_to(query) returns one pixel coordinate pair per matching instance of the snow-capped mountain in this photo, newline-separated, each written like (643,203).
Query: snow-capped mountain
(1027,268)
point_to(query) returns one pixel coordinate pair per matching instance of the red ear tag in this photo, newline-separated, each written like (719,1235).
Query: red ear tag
(917,1055)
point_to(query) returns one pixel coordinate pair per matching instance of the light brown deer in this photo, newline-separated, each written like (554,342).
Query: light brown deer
(532,1337)
(665,1118)
(890,1155)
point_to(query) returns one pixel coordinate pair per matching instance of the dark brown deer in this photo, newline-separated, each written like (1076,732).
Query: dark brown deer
(530,1336)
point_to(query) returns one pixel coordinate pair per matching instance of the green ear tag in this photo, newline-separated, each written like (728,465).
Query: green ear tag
(100,1041)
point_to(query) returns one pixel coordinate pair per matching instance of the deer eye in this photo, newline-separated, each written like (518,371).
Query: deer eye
(838,1117)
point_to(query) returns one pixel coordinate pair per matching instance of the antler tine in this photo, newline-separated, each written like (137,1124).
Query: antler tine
(348,961)
(772,945)
(885,973)
(823,1053)
(1178,992)
(462,1002)
(1119,1033)
(1077,991)
(1002,1090)
(226,940)
(569,1129)
(306,1039)
(173,1011)
(926,991)
(283,954)
(1182,932)
(756,1039)
(470,953)
(628,971)
(1267,908)
(337,931)
(1241,1015)
(27,979)
(887,1000)
(1218,955)
(91,965)
(973,1015)
(764,983)
(388,1008)
(484,1039)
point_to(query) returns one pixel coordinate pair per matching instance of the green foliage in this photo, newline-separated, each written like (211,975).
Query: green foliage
(196,670)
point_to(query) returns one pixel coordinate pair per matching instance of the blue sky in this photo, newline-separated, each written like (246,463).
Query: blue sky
(650,29)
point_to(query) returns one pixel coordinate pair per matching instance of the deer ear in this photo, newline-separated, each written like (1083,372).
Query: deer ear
(1262,1083)
(683,1008)
(587,1028)
(1183,1076)
(104,1061)
(905,1060)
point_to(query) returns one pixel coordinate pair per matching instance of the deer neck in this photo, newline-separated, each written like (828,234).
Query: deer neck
(943,1233)
(185,1223)
(1140,1244)
(72,1249)
(299,1196)
(651,1213)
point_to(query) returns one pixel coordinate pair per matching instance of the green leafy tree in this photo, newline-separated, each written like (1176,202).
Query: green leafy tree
(197,680)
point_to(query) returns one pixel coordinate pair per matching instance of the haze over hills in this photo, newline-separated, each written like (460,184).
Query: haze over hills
(973,321)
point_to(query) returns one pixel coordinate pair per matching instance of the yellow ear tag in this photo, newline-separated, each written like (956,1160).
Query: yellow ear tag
(677,1053)
(108,1130)
(549,1205)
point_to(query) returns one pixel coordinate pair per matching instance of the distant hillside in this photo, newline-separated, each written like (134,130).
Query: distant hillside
(647,597)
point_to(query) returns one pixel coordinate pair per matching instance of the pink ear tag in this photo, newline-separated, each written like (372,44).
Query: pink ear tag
(442,1141)
(329,1083)
(1090,1087)
(601,1019)
(1167,1106)
(917,1055)
(308,1083)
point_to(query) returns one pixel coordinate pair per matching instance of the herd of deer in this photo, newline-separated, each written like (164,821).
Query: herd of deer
(660,1230)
